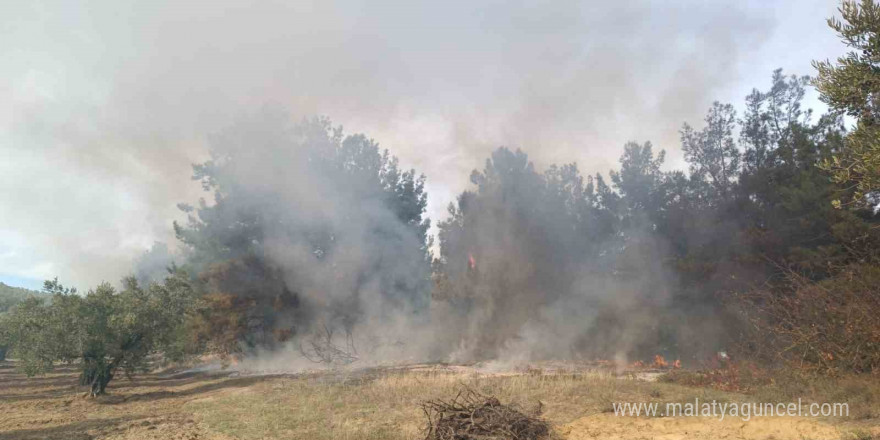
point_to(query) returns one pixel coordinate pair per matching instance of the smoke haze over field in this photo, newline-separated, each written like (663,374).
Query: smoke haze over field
(104,106)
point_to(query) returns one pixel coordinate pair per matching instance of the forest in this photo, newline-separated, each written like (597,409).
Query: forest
(316,242)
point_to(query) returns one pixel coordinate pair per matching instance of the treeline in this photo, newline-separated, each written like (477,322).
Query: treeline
(10,296)
(767,245)
(652,261)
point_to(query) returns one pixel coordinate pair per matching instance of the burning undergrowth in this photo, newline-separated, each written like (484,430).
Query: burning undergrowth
(309,235)
(316,245)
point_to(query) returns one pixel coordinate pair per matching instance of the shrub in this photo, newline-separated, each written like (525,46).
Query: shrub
(829,326)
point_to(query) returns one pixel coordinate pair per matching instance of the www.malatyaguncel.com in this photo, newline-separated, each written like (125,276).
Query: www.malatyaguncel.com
(744,411)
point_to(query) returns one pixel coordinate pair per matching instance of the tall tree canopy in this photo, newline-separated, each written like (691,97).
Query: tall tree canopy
(306,225)
(526,247)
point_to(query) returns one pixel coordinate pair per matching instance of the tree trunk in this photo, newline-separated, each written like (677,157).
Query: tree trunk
(97,373)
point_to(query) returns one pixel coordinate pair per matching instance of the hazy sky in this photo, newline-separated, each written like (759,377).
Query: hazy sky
(105,104)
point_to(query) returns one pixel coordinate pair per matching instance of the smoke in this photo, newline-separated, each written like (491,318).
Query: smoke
(315,243)
(108,106)
(153,265)
(316,240)
(104,108)
(310,233)
(552,265)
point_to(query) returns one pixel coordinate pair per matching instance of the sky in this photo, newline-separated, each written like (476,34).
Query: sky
(104,105)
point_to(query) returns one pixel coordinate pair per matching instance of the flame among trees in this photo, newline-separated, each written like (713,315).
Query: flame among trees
(653,260)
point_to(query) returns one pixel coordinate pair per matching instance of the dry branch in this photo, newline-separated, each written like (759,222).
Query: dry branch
(474,416)
(321,348)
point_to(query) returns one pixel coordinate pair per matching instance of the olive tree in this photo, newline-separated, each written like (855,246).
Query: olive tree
(852,86)
(105,331)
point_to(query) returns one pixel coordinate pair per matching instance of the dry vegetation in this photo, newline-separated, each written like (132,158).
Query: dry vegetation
(386,404)
(832,326)
(471,415)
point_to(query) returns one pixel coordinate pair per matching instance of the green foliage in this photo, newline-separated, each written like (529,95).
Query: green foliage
(37,335)
(525,241)
(745,209)
(311,201)
(852,86)
(711,152)
(10,296)
(639,185)
(786,197)
(105,331)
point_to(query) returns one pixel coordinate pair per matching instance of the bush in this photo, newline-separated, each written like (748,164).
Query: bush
(829,326)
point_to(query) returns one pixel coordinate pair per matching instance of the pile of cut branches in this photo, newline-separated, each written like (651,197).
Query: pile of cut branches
(474,416)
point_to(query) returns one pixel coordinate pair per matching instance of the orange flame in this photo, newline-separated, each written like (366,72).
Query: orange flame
(472,263)
(659,362)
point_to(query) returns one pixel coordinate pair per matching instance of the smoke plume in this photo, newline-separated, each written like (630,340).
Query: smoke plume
(105,107)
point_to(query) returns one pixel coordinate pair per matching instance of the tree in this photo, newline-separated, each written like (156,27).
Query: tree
(36,335)
(10,297)
(106,330)
(552,264)
(307,226)
(639,184)
(771,120)
(784,199)
(852,86)
(712,152)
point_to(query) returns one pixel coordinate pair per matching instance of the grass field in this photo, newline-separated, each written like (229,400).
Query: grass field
(384,404)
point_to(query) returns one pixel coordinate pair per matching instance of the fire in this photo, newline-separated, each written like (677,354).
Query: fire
(472,263)
(659,362)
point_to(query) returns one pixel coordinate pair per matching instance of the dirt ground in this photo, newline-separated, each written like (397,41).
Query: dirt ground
(374,404)
(53,407)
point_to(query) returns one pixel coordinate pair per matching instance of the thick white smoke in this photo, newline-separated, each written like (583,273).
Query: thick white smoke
(104,106)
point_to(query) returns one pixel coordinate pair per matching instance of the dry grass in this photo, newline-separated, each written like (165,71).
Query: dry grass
(385,404)
(860,392)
